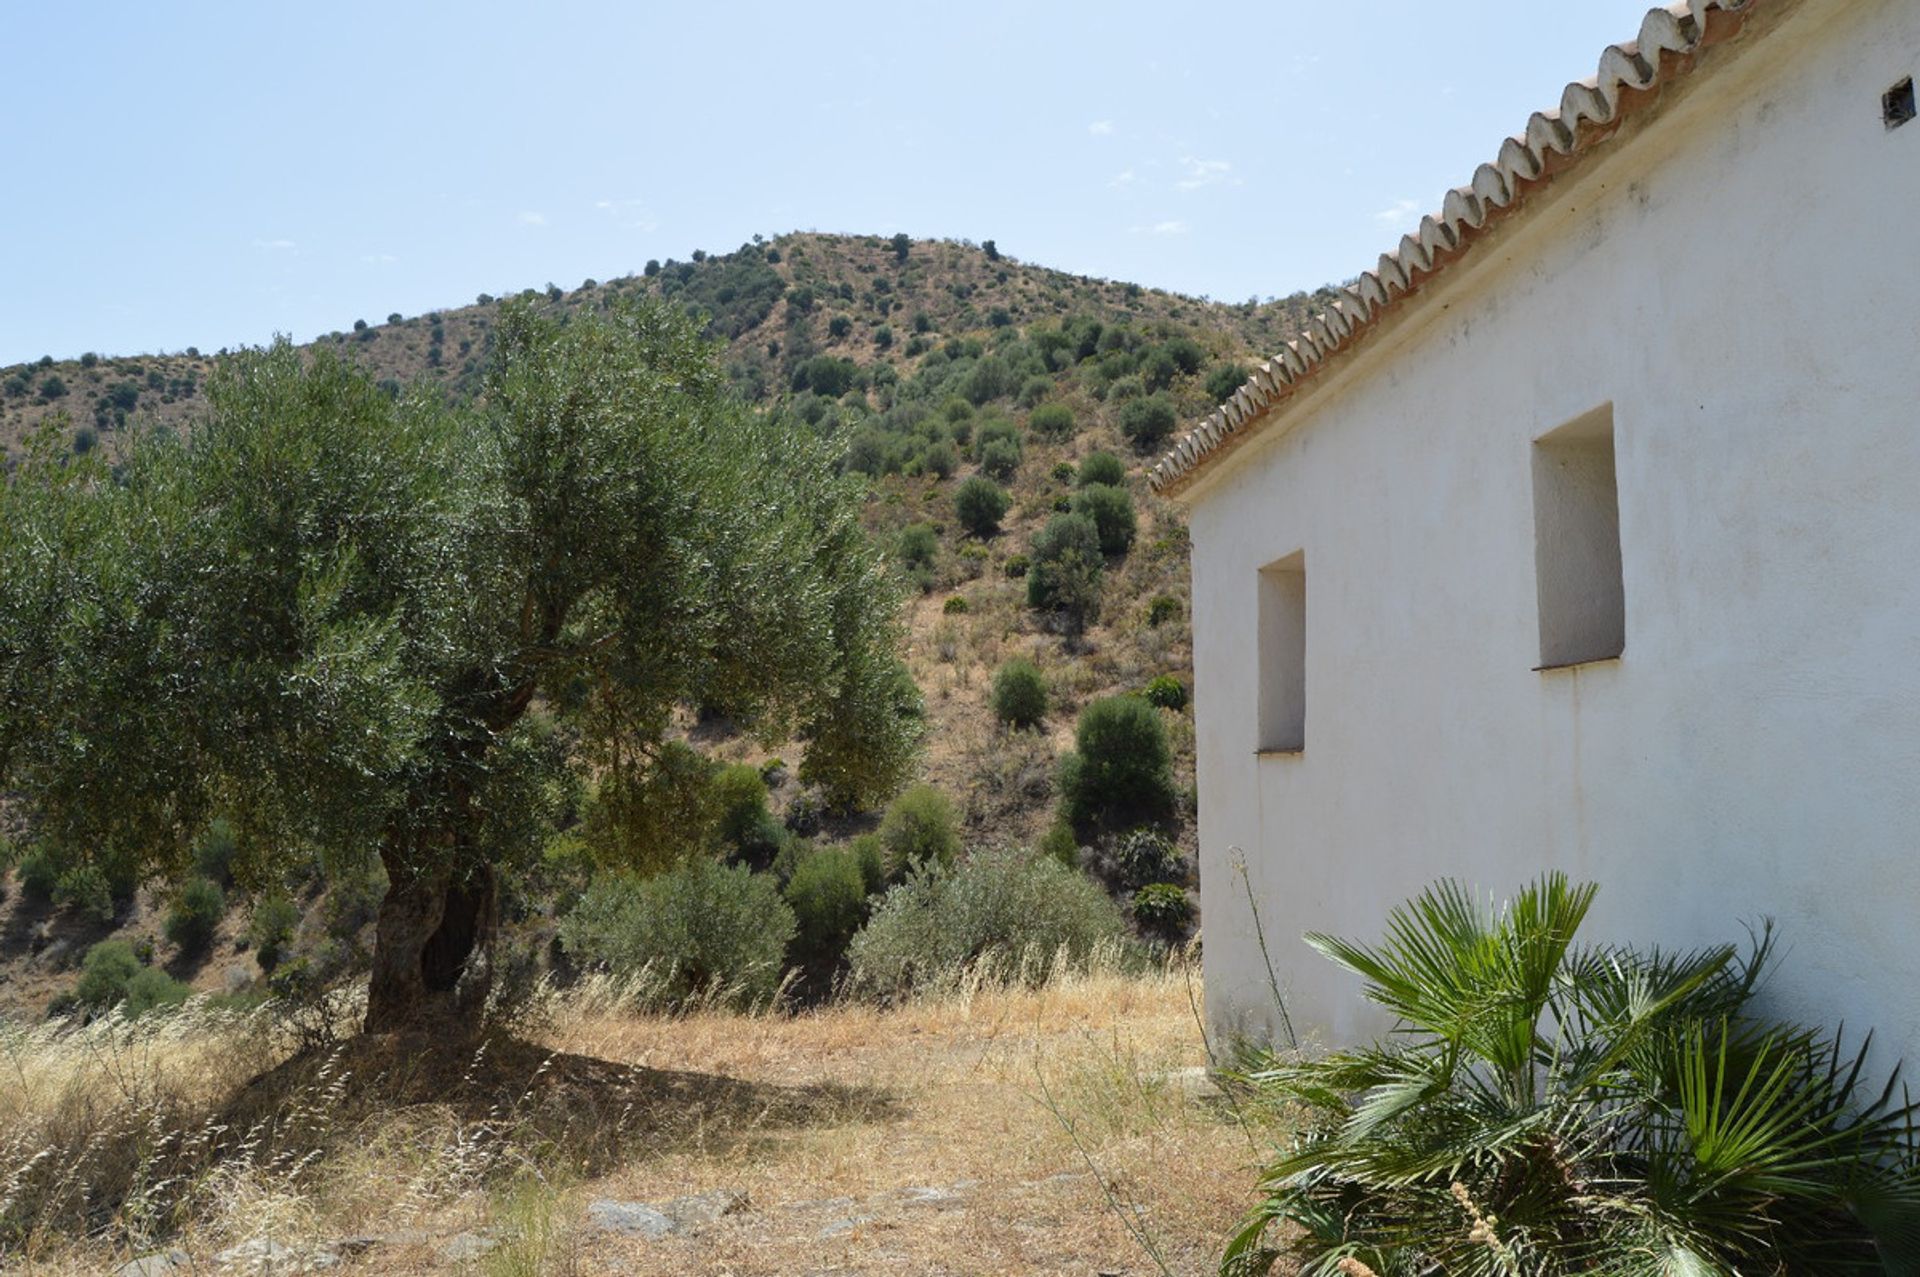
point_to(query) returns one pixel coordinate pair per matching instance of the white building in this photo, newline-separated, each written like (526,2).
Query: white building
(1587,536)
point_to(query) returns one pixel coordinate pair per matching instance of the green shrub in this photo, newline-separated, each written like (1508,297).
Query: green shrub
(1009,905)
(112,974)
(1147,422)
(1121,770)
(1102,468)
(214,850)
(104,974)
(39,875)
(152,989)
(1060,844)
(702,928)
(271,929)
(919,545)
(995,430)
(1111,510)
(939,459)
(1163,909)
(1065,576)
(84,889)
(743,824)
(955,605)
(1145,855)
(1019,694)
(1000,459)
(1017,565)
(1166,692)
(1052,422)
(918,829)
(870,854)
(1162,609)
(195,915)
(1551,1107)
(828,895)
(979,504)
(1062,472)
(1224,381)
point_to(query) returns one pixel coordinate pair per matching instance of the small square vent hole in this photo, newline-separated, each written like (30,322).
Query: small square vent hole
(1896,106)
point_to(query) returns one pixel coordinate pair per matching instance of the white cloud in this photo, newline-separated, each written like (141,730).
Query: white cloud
(378,259)
(1172,226)
(1101,128)
(278,245)
(1401,215)
(1205,173)
(533,219)
(1125,177)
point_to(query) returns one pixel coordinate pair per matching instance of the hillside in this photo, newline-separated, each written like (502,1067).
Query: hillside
(934,362)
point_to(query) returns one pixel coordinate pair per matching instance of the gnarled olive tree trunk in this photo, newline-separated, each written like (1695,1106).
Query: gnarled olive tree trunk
(433,950)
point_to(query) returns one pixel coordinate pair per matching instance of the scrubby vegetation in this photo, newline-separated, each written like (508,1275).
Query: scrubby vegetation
(1022,912)
(699,930)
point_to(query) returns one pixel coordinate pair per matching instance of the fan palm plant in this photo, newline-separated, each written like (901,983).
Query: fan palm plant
(1544,1108)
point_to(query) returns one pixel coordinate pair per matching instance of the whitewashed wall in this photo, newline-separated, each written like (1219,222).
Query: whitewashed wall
(1741,281)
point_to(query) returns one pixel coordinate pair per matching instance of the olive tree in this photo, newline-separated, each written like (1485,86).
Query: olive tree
(365,628)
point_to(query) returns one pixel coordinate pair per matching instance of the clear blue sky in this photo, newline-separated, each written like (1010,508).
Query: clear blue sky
(211,174)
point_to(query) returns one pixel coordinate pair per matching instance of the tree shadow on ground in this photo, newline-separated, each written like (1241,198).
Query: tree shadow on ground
(594,1113)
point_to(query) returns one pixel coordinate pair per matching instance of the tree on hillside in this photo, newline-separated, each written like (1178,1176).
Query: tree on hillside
(360,627)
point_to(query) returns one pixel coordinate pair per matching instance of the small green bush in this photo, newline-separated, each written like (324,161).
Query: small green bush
(1060,844)
(1111,510)
(1017,565)
(1102,467)
(1052,422)
(1148,421)
(1121,770)
(84,889)
(939,459)
(195,915)
(1019,694)
(828,895)
(955,605)
(38,874)
(271,929)
(918,829)
(1010,905)
(980,504)
(1000,459)
(1162,609)
(743,824)
(919,545)
(871,855)
(152,989)
(1066,572)
(1224,380)
(104,974)
(213,852)
(1145,855)
(993,430)
(1162,909)
(702,928)
(1166,692)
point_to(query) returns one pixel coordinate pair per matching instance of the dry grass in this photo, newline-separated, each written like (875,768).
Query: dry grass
(1047,1114)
